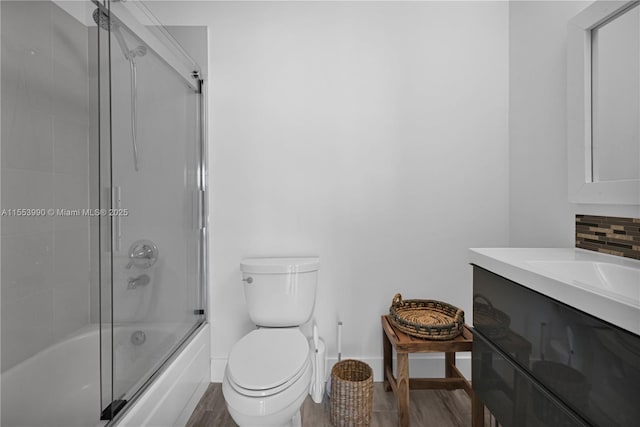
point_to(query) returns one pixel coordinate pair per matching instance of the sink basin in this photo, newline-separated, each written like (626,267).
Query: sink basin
(607,278)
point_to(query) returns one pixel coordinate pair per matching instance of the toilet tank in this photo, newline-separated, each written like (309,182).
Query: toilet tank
(280,292)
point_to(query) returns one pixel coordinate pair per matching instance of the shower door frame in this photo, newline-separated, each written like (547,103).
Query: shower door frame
(131,19)
(170,55)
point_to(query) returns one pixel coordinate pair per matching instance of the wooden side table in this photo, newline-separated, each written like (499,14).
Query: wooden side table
(453,379)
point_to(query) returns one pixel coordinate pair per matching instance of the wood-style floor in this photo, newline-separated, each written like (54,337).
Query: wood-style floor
(437,408)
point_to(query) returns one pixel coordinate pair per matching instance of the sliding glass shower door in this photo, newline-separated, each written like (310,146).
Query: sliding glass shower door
(151,187)
(102,195)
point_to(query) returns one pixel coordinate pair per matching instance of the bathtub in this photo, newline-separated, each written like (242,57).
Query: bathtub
(60,386)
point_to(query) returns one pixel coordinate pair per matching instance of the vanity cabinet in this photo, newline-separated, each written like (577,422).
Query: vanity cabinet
(540,362)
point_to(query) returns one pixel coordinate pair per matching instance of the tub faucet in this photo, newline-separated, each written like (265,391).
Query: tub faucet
(141,280)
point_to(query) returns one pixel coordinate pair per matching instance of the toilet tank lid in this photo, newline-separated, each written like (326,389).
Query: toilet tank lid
(280,265)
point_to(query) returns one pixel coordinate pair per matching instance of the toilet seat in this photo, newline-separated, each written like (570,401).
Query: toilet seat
(267,361)
(274,410)
(270,391)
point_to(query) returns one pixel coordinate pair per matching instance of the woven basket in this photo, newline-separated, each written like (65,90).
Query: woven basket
(488,319)
(430,319)
(351,401)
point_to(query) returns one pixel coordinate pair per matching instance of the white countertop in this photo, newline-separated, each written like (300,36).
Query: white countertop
(605,286)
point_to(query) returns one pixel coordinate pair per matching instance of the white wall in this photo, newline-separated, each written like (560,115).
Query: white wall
(371,134)
(540,214)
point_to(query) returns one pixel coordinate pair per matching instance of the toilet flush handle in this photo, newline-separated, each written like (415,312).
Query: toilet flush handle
(249,280)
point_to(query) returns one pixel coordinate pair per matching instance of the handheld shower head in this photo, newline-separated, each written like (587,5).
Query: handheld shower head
(112,25)
(104,21)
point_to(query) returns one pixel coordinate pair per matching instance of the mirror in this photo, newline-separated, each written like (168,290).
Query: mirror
(603,96)
(615,91)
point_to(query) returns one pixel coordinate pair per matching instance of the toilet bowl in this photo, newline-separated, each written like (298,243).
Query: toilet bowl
(269,370)
(267,378)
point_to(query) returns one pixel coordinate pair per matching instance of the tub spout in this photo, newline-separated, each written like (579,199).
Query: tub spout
(141,280)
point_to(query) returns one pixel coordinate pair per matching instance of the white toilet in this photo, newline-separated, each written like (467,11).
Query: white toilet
(269,370)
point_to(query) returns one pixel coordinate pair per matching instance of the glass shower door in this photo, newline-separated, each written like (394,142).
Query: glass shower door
(153,299)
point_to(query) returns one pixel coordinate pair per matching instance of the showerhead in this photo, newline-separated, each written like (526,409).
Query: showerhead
(103,21)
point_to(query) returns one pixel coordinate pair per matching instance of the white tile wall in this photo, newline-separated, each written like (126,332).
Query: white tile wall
(70,145)
(45,120)
(30,133)
(23,188)
(27,260)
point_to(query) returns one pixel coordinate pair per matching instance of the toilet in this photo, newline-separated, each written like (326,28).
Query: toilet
(269,371)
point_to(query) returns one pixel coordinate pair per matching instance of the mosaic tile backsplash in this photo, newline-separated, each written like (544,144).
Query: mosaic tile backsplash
(608,234)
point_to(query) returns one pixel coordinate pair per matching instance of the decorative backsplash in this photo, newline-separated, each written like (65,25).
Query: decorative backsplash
(608,234)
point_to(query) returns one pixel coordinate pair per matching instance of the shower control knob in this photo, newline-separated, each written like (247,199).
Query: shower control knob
(142,254)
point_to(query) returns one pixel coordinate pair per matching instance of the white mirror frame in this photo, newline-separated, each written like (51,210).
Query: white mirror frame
(582,189)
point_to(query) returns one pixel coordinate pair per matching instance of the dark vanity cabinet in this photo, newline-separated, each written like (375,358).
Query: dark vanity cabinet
(539,362)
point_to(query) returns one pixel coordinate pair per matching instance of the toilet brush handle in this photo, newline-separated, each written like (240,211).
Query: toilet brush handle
(339,341)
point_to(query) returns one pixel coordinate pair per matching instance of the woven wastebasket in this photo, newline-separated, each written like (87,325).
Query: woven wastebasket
(351,394)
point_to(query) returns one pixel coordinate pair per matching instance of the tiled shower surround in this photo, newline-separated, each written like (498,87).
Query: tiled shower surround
(610,235)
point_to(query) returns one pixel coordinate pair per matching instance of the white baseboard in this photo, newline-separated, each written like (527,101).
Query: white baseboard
(218,365)
(420,366)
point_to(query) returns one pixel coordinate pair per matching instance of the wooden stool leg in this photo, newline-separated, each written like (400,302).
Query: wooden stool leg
(477,411)
(386,360)
(402,391)
(449,363)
